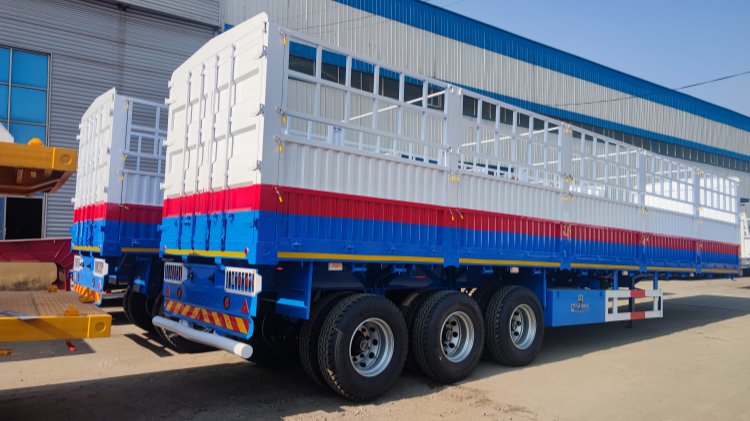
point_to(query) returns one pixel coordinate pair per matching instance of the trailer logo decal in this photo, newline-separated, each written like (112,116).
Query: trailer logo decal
(580,306)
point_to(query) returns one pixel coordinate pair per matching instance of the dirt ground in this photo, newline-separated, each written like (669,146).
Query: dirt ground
(692,365)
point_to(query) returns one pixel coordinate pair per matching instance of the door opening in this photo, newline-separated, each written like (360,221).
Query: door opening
(23,218)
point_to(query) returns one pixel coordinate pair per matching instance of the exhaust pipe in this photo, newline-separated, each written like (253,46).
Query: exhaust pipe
(235,347)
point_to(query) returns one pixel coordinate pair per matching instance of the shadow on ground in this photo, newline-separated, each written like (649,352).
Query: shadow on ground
(246,391)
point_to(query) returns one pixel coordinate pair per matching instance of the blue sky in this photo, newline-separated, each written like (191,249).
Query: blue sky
(669,42)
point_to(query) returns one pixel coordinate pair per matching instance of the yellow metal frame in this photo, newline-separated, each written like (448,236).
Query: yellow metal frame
(358,257)
(86,248)
(44,328)
(207,253)
(47,168)
(472,261)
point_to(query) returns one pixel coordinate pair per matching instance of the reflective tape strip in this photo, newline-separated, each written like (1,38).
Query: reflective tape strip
(223,320)
(87,293)
(612,310)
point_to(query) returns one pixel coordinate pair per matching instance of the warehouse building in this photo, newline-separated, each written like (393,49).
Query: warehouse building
(56,56)
(90,46)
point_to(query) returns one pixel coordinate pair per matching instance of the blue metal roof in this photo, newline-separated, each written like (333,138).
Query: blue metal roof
(452,25)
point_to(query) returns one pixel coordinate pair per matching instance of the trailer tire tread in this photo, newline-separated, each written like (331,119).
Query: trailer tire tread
(137,307)
(310,333)
(330,343)
(409,312)
(497,339)
(484,295)
(438,367)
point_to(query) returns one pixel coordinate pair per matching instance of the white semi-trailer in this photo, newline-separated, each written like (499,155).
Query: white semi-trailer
(323,206)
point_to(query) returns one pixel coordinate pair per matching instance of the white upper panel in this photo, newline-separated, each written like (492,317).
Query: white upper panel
(215,116)
(314,116)
(121,151)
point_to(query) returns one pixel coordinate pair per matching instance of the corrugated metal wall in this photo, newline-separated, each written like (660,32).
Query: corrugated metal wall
(203,11)
(583,98)
(95,46)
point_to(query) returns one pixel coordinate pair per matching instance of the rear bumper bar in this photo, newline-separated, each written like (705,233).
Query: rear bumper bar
(235,347)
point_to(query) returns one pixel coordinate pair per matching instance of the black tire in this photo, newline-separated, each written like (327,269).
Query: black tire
(362,319)
(126,305)
(136,306)
(484,295)
(274,339)
(448,336)
(310,333)
(409,309)
(171,339)
(507,302)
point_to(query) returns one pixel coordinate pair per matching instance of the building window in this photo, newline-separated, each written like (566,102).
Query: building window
(24,99)
(363,75)
(389,83)
(470,106)
(489,111)
(23,93)
(413,91)
(302,58)
(333,67)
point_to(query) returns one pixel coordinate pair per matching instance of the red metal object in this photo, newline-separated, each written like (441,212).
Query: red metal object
(55,250)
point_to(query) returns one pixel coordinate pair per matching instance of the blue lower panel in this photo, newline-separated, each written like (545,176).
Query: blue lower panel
(567,307)
(112,235)
(263,234)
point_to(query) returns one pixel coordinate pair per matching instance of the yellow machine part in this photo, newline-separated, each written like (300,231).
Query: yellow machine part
(33,167)
(41,315)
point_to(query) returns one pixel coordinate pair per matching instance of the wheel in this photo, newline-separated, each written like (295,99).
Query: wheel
(310,333)
(274,339)
(126,305)
(448,336)
(135,305)
(514,326)
(171,339)
(362,346)
(409,308)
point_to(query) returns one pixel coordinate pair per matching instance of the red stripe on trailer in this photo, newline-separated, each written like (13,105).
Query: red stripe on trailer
(119,212)
(637,293)
(296,201)
(637,315)
(670,242)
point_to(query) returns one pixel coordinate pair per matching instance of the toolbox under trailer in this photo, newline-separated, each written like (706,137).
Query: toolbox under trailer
(322,202)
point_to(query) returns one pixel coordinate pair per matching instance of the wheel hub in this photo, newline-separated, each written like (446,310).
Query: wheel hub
(522,326)
(457,336)
(371,347)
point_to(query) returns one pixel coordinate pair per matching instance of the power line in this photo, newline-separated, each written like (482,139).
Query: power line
(335,23)
(452,3)
(692,85)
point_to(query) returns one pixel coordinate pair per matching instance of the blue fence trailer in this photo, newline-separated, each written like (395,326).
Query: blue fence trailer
(319,203)
(118,201)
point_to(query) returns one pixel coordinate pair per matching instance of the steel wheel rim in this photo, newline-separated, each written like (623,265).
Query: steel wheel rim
(522,326)
(371,347)
(457,336)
